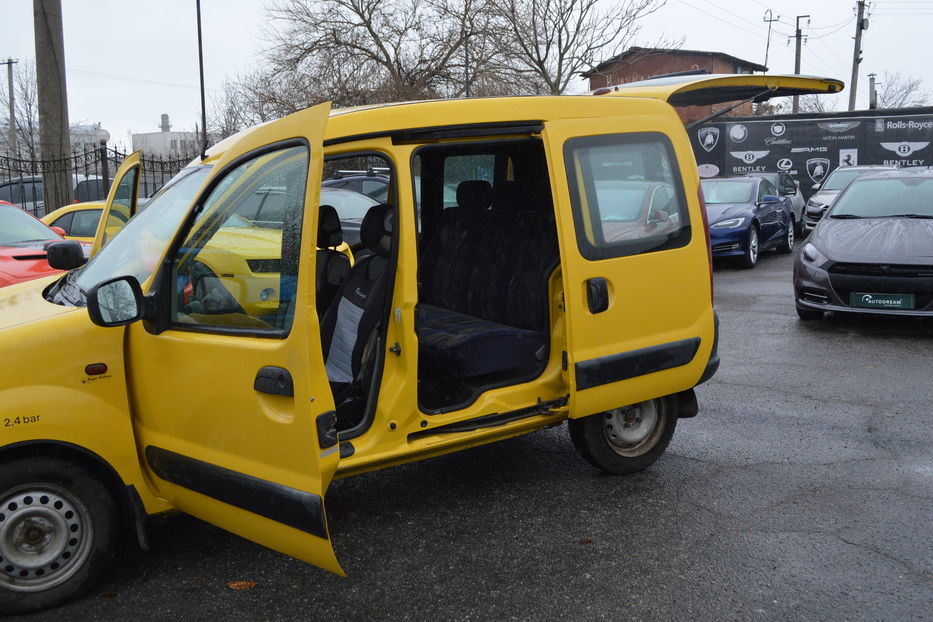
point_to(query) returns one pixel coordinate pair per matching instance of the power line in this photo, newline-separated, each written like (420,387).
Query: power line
(714,16)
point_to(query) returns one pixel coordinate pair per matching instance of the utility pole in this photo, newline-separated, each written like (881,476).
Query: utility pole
(861,23)
(11,141)
(54,138)
(466,61)
(768,18)
(799,36)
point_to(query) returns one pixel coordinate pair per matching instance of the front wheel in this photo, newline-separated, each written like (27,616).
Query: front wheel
(627,439)
(750,258)
(56,532)
(787,244)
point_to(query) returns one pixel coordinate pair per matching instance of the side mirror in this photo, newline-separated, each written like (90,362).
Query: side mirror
(59,231)
(659,216)
(769,199)
(115,302)
(817,186)
(65,255)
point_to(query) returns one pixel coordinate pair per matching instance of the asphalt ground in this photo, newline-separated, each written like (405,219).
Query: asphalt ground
(802,491)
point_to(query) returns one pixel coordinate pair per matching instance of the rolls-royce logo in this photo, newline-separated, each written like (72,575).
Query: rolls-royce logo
(904,149)
(708,137)
(749,157)
(778,129)
(838,127)
(817,168)
(738,133)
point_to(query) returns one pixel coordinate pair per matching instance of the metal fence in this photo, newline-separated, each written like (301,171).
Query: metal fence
(92,172)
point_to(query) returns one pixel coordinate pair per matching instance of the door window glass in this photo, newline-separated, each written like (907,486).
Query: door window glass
(461,168)
(64,222)
(766,188)
(626,195)
(85,222)
(238,266)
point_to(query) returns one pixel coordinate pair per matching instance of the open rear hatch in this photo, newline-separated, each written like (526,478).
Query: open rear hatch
(706,89)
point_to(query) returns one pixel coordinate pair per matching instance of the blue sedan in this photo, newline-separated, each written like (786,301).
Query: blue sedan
(747,216)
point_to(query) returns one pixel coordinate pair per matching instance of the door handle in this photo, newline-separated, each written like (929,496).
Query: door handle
(275,381)
(597,294)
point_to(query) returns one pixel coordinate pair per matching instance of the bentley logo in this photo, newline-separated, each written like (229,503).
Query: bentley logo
(708,137)
(904,149)
(778,129)
(838,127)
(817,168)
(785,164)
(738,133)
(749,157)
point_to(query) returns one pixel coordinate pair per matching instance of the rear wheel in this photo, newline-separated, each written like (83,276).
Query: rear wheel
(628,439)
(787,245)
(750,258)
(56,532)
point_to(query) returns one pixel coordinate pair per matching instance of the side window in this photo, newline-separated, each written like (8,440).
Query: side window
(616,182)
(84,224)
(121,208)
(6,194)
(65,222)
(765,188)
(238,266)
(461,168)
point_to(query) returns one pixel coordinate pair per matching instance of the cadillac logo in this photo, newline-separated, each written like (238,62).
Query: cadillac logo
(817,168)
(778,129)
(708,137)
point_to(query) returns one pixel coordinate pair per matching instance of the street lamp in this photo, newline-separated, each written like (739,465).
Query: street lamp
(102,137)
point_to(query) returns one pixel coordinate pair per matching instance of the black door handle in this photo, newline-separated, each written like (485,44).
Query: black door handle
(597,294)
(274,380)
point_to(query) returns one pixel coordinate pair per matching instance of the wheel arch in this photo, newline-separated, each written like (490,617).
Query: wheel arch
(132,513)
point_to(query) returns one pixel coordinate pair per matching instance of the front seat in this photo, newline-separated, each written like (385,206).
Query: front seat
(333,267)
(350,326)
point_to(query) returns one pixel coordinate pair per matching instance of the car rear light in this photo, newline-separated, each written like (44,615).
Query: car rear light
(709,245)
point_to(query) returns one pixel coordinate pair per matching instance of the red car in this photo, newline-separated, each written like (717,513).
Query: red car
(22,246)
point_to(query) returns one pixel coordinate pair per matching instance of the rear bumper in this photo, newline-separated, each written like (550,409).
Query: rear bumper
(713,364)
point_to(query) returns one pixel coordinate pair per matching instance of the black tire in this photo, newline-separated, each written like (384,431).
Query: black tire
(599,438)
(787,244)
(801,230)
(57,532)
(809,315)
(752,249)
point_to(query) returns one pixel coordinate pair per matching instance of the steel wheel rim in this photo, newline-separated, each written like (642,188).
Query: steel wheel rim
(632,430)
(45,537)
(753,245)
(790,236)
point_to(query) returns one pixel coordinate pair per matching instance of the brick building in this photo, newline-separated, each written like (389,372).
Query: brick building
(638,63)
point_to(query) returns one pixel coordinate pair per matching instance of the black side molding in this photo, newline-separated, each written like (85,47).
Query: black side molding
(289,506)
(615,367)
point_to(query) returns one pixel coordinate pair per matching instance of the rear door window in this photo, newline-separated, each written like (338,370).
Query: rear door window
(615,181)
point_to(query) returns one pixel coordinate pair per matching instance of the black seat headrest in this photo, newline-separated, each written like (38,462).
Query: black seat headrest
(376,229)
(509,196)
(474,194)
(329,231)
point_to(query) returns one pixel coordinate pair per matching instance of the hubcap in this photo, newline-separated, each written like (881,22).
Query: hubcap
(633,430)
(45,536)
(753,246)
(790,236)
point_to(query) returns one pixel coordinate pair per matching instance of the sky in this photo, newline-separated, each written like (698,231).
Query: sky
(128,61)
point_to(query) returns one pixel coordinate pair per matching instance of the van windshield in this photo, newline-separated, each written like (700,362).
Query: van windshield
(139,246)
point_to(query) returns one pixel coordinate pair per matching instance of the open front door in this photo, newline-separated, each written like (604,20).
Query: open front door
(121,201)
(633,257)
(232,408)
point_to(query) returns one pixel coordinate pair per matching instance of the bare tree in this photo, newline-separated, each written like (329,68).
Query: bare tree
(556,40)
(364,51)
(818,103)
(901,91)
(26,110)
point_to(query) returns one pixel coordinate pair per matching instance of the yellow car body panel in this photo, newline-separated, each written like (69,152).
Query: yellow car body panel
(123,197)
(181,413)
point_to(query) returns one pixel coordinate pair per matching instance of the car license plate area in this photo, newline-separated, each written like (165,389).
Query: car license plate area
(864,300)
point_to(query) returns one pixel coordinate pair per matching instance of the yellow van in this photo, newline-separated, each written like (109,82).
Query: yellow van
(501,289)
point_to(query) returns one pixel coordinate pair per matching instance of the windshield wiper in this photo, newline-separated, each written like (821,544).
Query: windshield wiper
(845,216)
(912,216)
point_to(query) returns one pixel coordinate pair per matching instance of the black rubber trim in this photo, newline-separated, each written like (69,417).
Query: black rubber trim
(713,363)
(289,506)
(615,367)
(139,515)
(347,449)
(463,130)
(492,420)
(327,429)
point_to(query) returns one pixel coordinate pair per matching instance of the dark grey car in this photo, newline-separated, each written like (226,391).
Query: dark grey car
(873,251)
(829,189)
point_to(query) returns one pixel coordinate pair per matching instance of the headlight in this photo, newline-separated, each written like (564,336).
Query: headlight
(815,203)
(731,223)
(811,254)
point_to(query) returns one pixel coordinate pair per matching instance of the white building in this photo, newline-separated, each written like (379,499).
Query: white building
(169,144)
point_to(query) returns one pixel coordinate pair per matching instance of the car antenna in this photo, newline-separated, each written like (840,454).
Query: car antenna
(201,66)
